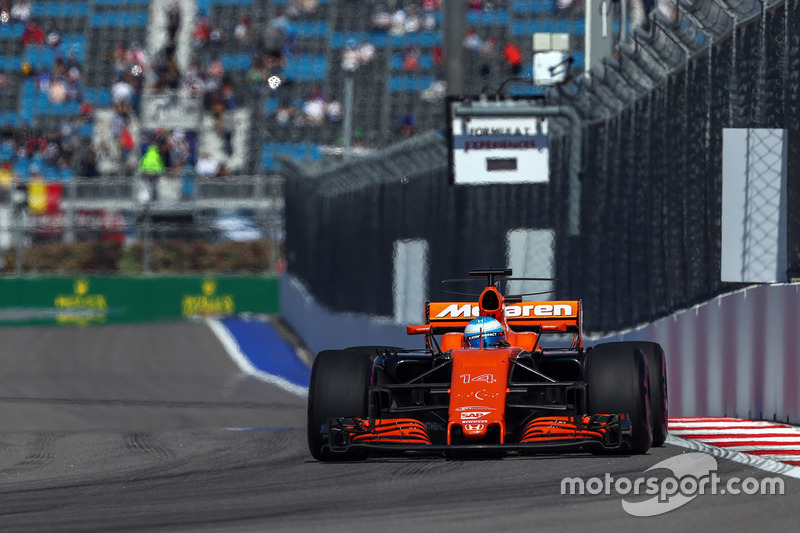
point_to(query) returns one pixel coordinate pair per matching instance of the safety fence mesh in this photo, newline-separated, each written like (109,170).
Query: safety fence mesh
(651,177)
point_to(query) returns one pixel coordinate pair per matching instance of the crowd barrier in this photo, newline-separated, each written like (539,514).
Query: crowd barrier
(736,355)
(103,300)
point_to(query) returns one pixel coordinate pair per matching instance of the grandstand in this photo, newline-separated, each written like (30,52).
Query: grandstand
(245,42)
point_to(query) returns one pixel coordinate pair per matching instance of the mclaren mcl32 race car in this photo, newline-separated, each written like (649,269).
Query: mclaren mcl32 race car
(462,396)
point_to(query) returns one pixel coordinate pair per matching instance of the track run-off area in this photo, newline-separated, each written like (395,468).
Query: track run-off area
(174,427)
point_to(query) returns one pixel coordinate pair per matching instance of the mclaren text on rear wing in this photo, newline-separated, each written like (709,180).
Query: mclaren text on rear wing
(519,315)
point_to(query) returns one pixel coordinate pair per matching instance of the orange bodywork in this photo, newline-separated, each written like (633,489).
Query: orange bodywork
(478,391)
(555,428)
(393,430)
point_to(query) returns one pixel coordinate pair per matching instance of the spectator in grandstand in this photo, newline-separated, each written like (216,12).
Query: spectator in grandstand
(413,22)
(407,123)
(429,20)
(350,57)
(381,20)
(3,81)
(21,11)
(88,165)
(437,55)
(207,166)
(398,22)
(216,35)
(513,58)
(201,33)
(286,113)
(314,111)
(435,92)
(151,167)
(476,5)
(122,93)
(5,11)
(32,34)
(472,41)
(8,179)
(366,52)
(333,110)
(488,56)
(275,62)
(53,38)
(118,58)
(136,56)
(411,59)
(242,31)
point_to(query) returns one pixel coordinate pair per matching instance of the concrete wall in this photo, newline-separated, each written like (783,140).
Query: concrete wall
(737,355)
(321,329)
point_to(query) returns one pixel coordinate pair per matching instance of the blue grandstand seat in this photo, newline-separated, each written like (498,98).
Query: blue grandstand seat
(6,152)
(532,7)
(119,19)
(341,39)
(10,63)
(60,9)
(50,173)
(86,130)
(284,2)
(21,167)
(97,96)
(410,83)
(309,28)
(11,31)
(301,151)
(121,3)
(271,105)
(45,57)
(487,18)
(307,67)
(421,39)
(236,61)
(66,174)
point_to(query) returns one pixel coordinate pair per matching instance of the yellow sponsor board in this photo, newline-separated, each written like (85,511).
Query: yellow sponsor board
(208,303)
(81,307)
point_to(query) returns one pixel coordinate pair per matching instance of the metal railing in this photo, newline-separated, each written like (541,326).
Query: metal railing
(137,212)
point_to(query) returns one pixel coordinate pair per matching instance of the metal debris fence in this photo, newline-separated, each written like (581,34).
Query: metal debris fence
(650,235)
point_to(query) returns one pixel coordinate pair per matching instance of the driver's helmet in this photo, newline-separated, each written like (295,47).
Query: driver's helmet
(486,328)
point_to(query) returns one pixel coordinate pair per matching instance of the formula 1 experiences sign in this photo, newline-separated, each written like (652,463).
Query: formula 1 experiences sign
(488,150)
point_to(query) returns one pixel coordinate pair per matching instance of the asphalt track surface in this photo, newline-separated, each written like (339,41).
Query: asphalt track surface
(153,428)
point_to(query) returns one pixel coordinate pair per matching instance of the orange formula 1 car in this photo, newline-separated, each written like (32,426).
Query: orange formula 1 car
(475,389)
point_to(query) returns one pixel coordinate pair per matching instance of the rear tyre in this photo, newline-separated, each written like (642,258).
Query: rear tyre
(616,382)
(339,387)
(659,404)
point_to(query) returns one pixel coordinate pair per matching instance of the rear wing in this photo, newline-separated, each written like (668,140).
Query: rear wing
(539,317)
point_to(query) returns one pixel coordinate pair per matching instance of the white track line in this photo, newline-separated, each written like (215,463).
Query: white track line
(743,432)
(771,447)
(235,353)
(762,463)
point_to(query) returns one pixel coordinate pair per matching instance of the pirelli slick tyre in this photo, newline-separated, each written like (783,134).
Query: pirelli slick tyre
(616,382)
(659,404)
(339,387)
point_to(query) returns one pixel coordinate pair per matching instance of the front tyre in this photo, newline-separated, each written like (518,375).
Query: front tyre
(339,388)
(616,382)
(659,404)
